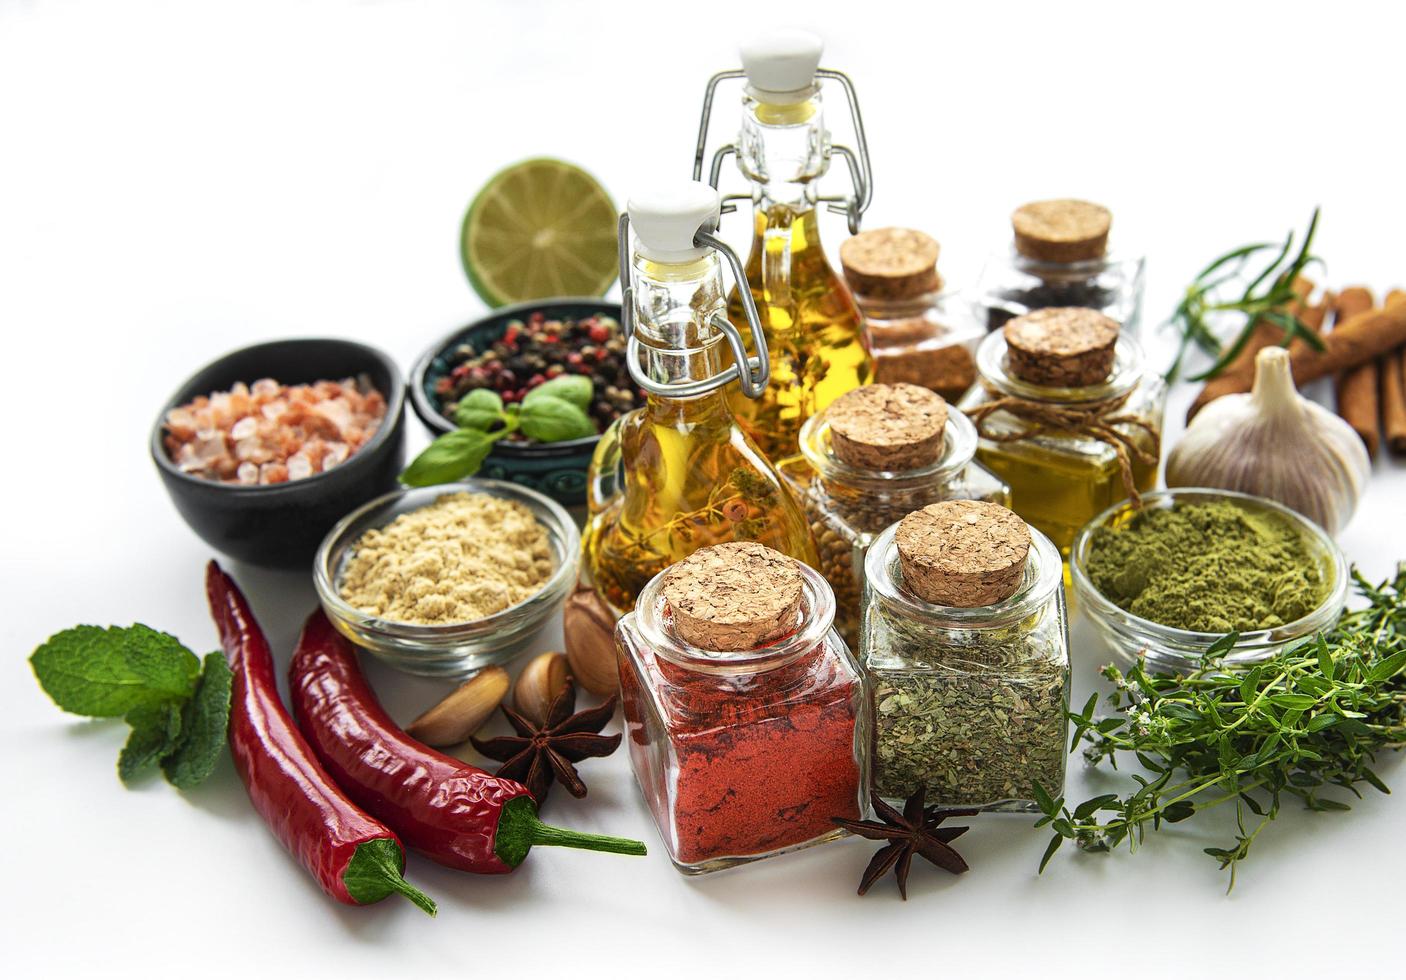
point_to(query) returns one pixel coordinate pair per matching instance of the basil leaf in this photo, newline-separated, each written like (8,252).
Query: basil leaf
(480,409)
(451,457)
(204,723)
(106,673)
(548,419)
(575,389)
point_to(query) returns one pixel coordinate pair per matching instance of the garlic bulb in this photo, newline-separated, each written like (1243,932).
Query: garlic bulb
(1275,443)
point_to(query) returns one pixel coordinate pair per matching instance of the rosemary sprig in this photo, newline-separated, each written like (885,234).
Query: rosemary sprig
(1312,718)
(1267,298)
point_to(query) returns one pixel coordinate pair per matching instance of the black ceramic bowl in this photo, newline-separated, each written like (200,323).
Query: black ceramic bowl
(557,469)
(280,525)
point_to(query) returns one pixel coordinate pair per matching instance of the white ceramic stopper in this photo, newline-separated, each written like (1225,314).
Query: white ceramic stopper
(781,64)
(667,219)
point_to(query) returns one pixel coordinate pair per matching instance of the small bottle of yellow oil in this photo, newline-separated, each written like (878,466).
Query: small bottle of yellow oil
(680,474)
(812,326)
(1068,416)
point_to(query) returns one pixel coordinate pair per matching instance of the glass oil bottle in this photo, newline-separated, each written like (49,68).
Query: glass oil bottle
(679,473)
(812,325)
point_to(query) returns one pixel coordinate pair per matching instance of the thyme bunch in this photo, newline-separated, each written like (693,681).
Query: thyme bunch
(1301,725)
(1267,298)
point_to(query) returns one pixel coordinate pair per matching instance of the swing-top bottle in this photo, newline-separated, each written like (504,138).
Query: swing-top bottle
(812,325)
(679,473)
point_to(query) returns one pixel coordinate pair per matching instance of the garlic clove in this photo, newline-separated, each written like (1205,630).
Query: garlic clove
(463,712)
(539,684)
(1275,443)
(589,628)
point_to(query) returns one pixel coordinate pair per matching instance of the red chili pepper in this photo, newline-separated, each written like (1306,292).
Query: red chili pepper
(456,814)
(356,859)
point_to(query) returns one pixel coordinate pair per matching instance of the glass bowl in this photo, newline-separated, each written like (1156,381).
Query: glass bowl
(1178,651)
(454,649)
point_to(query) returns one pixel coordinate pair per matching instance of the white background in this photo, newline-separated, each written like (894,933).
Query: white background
(178,179)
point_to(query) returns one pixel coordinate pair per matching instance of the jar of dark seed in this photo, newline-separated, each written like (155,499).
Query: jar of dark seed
(874,455)
(1060,257)
(918,333)
(966,647)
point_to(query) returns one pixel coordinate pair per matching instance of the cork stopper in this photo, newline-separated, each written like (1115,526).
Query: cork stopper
(1063,230)
(1063,346)
(962,552)
(888,427)
(891,263)
(735,596)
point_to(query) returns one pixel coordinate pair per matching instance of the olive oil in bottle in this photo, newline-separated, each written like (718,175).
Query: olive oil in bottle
(680,473)
(812,326)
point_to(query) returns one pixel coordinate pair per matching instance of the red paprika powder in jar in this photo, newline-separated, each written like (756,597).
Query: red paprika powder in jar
(746,716)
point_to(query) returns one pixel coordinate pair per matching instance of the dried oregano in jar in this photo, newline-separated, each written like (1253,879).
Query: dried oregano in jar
(965,642)
(876,454)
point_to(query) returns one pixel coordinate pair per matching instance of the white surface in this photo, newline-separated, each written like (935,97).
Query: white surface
(179,179)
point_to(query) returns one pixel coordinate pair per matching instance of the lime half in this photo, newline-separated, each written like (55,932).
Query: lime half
(539,228)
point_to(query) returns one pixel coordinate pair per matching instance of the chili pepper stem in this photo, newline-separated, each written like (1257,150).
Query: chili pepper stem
(519,829)
(374,872)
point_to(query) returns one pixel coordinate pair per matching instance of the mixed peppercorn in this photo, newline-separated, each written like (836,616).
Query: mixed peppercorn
(537,349)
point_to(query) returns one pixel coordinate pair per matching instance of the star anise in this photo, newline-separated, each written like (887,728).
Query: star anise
(537,755)
(914,831)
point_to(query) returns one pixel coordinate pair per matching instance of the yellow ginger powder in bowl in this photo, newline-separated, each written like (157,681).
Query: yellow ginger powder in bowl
(459,559)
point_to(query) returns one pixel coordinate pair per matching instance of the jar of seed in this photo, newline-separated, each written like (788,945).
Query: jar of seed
(1060,256)
(1068,415)
(966,648)
(917,332)
(874,455)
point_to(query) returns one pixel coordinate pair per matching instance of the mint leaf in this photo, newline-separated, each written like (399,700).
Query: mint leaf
(203,725)
(451,457)
(106,673)
(548,419)
(575,389)
(480,409)
(155,730)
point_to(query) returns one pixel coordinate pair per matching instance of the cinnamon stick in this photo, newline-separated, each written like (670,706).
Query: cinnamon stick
(1239,374)
(1357,340)
(1356,390)
(1393,371)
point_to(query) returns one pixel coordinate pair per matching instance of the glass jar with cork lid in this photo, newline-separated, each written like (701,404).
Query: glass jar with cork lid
(918,333)
(746,715)
(1068,415)
(1060,256)
(966,649)
(874,455)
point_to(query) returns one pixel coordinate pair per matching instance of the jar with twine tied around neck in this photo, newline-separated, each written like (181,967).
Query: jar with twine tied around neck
(1068,415)
(876,454)
(966,648)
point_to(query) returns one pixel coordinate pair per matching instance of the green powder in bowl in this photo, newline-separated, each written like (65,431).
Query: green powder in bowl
(1212,567)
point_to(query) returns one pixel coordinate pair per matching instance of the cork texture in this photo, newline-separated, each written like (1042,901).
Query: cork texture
(1064,346)
(887,427)
(891,263)
(1062,230)
(962,552)
(734,597)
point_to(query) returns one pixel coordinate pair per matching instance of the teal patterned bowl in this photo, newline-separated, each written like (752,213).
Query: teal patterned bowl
(557,469)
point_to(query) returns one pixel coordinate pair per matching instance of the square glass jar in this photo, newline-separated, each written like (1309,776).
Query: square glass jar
(848,506)
(746,754)
(927,340)
(1012,284)
(1061,450)
(969,703)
